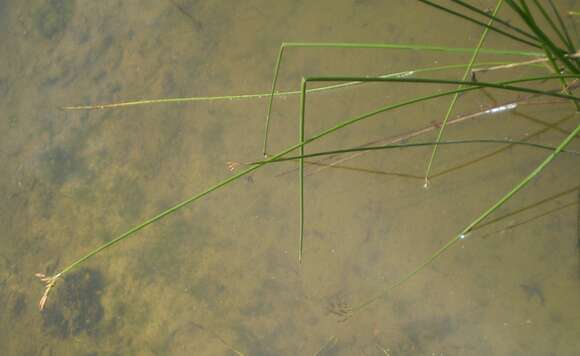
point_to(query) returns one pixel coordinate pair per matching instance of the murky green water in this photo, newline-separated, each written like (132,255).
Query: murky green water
(220,277)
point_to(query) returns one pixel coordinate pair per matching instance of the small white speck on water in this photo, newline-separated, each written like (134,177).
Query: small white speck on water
(498,109)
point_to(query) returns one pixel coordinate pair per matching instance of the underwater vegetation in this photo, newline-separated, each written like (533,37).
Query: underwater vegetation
(550,50)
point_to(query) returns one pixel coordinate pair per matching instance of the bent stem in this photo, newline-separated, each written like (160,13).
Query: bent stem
(391,46)
(456,96)
(472,86)
(50,281)
(474,223)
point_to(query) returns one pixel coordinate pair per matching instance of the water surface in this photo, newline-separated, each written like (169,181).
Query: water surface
(221,277)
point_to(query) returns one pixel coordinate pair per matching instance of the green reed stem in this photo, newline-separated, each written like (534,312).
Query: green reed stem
(524,12)
(250,169)
(474,223)
(277,94)
(568,41)
(495,18)
(417,145)
(470,19)
(456,96)
(301,168)
(474,86)
(270,102)
(391,46)
(565,39)
(505,85)
(248,96)
(556,69)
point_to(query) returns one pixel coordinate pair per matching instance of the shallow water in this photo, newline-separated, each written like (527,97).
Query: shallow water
(220,276)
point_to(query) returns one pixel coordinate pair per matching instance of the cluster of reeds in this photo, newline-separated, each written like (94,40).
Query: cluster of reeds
(542,28)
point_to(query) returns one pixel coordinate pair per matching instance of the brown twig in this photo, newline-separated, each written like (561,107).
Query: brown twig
(49,283)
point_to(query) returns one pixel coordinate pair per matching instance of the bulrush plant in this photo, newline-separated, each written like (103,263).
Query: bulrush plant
(542,30)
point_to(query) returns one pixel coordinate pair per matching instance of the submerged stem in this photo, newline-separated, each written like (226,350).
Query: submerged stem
(301,167)
(475,222)
(50,281)
(456,96)
(392,46)
(416,145)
